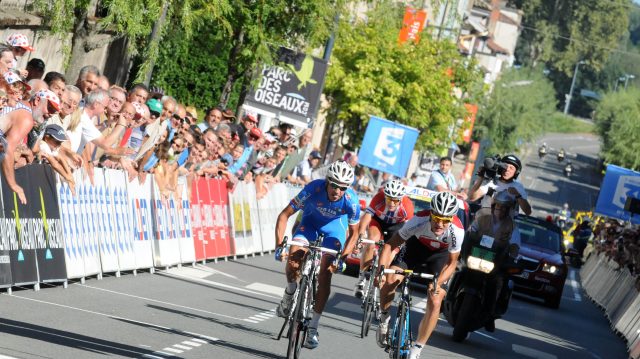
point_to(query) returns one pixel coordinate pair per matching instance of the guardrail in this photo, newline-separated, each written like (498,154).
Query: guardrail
(113,225)
(613,289)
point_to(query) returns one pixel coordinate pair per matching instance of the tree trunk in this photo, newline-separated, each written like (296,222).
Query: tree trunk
(79,40)
(154,41)
(232,67)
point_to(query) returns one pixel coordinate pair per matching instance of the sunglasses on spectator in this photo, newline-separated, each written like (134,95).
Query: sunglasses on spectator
(441,219)
(154,114)
(337,186)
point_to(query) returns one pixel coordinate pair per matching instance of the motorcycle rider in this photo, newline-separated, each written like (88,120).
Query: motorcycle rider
(542,150)
(568,169)
(563,215)
(499,225)
(561,155)
(508,180)
(581,236)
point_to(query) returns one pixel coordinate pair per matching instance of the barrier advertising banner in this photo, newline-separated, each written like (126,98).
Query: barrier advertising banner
(618,184)
(219,196)
(73,249)
(165,244)
(86,215)
(292,88)
(198,188)
(139,196)
(181,212)
(104,220)
(122,236)
(387,146)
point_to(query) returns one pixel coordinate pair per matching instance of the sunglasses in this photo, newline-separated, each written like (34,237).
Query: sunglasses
(443,220)
(337,186)
(392,200)
(154,114)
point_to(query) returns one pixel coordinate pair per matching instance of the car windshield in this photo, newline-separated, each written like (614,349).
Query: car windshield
(539,236)
(420,204)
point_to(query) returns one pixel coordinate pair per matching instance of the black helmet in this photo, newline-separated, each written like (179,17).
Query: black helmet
(515,161)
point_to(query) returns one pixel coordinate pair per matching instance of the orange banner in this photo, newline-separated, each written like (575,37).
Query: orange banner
(412,24)
(471,118)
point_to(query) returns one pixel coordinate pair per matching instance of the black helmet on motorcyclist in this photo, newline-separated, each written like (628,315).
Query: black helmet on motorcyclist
(515,161)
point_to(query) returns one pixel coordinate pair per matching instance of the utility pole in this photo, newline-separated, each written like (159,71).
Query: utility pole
(567,104)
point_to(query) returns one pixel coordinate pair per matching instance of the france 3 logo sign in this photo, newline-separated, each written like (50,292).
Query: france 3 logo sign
(618,184)
(387,146)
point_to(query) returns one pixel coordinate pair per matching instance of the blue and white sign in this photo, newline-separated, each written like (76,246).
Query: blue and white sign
(387,146)
(618,184)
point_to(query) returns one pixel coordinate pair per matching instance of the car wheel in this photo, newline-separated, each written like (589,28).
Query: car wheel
(553,302)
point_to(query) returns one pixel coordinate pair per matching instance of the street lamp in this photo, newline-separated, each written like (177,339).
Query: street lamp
(573,84)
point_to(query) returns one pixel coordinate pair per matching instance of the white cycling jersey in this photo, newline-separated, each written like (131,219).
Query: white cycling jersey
(420,226)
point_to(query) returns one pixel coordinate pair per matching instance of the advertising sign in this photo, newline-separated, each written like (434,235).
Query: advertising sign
(472,109)
(292,87)
(387,146)
(618,184)
(412,24)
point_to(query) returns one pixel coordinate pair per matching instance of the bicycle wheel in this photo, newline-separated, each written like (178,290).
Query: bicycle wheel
(369,304)
(400,343)
(295,325)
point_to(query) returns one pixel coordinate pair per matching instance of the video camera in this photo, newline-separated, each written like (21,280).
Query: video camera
(492,168)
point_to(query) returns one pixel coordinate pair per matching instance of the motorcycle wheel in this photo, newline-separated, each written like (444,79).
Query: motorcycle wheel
(464,318)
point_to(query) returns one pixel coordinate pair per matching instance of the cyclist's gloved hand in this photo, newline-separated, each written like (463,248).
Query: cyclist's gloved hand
(279,254)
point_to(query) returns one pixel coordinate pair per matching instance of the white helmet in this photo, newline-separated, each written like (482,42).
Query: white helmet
(340,172)
(444,204)
(394,189)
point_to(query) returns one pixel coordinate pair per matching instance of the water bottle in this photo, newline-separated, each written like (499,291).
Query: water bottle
(278,254)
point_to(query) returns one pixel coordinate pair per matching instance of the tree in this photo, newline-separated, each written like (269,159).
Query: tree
(371,74)
(617,123)
(517,109)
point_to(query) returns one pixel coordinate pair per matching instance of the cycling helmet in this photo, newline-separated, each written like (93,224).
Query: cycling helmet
(341,172)
(513,160)
(444,204)
(394,189)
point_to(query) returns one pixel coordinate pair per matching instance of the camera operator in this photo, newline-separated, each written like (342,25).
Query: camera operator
(497,175)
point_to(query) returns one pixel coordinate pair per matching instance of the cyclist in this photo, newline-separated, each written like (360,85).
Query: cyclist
(387,212)
(328,206)
(428,243)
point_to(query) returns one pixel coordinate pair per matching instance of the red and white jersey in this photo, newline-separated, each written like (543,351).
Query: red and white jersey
(378,208)
(420,226)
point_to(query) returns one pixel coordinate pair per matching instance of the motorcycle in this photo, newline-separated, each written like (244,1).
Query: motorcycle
(567,170)
(542,151)
(467,306)
(561,156)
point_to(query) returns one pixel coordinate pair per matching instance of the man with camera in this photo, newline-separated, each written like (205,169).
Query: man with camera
(497,175)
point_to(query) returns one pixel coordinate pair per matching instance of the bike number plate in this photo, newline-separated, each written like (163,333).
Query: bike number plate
(486,241)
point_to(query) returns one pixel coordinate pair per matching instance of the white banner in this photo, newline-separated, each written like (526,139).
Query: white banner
(142,226)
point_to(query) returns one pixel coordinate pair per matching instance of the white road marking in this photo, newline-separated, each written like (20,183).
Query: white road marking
(6,357)
(183,347)
(252,321)
(488,336)
(159,301)
(575,285)
(217,284)
(151,356)
(191,272)
(266,288)
(202,336)
(262,316)
(215,271)
(193,344)
(171,350)
(532,353)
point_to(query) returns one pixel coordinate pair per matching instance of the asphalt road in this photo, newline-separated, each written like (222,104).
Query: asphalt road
(226,309)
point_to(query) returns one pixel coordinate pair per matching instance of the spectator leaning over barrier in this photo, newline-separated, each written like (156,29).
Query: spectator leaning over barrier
(240,166)
(302,173)
(35,68)
(87,80)
(297,155)
(36,85)
(53,137)
(138,93)
(56,82)
(15,123)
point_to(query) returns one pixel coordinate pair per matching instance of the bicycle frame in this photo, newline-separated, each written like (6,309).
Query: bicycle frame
(371,296)
(400,337)
(301,310)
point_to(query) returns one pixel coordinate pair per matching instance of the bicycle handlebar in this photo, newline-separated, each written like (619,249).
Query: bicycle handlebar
(368,241)
(409,273)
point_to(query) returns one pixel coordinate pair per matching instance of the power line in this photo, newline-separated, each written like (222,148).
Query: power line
(581,41)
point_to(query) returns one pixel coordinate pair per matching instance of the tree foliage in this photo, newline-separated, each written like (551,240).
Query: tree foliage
(617,123)
(371,74)
(517,110)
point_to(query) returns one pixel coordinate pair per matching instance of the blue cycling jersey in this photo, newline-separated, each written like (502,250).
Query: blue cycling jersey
(314,204)
(319,215)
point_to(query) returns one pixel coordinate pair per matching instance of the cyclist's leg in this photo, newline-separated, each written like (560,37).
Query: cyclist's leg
(374,233)
(433,264)
(292,269)
(387,292)
(334,238)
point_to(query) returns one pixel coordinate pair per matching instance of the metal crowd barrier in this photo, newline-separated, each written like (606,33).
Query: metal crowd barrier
(613,289)
(112,225)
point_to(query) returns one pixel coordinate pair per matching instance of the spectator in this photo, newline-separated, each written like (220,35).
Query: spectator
(6,59)
(412,181)
(87,80)
(212,119)
(443,180)
(138,93)
(296,155)
(52,139)
(103,82)
(35,68)
(56,82)
(302,173)
(35,85)
(228,116)
(19,44)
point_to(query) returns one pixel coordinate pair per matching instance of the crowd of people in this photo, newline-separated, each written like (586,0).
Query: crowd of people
(620,243)
(90,123)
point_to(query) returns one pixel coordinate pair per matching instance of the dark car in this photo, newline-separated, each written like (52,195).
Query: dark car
(545,268)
